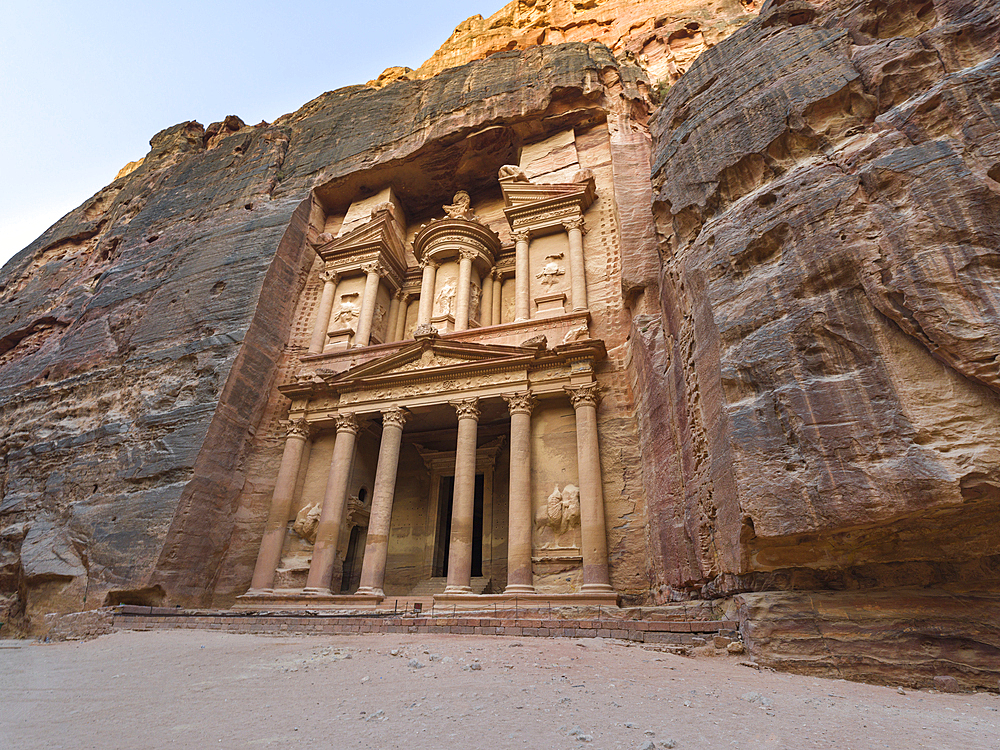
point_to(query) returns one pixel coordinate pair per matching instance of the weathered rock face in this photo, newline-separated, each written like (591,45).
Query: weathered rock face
(664,36)
(827,197)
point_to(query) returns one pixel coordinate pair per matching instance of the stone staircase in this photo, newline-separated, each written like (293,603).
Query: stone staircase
(433,586)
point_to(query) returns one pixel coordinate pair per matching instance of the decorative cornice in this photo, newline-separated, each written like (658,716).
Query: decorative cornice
(467,408)
(395,416)
(346,422)
(520,403)
(588,394)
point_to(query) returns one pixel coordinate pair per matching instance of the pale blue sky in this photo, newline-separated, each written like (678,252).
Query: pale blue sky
(84,85)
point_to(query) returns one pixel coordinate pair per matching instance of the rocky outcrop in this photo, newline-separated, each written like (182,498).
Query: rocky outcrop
(664,36)
(827,199)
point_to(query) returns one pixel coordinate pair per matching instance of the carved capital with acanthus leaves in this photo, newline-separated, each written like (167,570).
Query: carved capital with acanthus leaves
(375,267)
(394,416)
(467,408)
(520,403)
(346,422)
(329,276)
(584,395)
(521,235)
(298,428)
(575,223)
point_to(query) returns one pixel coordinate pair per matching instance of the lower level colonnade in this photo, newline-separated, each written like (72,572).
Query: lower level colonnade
(596,585)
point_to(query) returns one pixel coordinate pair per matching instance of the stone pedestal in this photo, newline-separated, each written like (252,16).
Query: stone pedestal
(550,305)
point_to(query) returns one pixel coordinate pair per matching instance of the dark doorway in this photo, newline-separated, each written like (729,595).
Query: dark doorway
(446,499)
(347,580)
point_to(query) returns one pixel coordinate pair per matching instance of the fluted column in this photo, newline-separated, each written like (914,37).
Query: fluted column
(375,271)
(464,502)
(404,303)
(519,575)
(331,515)
(426,308)
(318,340)
(281,502)
(577,272)
(592,526)
(390,329)
(464,292)
(522,280)
(486,302)
(497,297)
(377,544)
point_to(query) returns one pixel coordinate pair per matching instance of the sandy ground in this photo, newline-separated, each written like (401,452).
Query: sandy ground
(202,689)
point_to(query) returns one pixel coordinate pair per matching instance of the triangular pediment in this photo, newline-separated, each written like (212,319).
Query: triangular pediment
(432,355)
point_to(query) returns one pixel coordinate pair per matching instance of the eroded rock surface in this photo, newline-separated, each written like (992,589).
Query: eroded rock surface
(827,198)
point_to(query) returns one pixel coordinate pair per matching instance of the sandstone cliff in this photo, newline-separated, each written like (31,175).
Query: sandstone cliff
(827,200)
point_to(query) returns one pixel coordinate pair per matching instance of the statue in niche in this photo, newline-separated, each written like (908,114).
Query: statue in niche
(444,301)
(377,319)
(579,333)
(347,312)
(307,522)
(461,208)
(561,513)
(474,297)
(551,271)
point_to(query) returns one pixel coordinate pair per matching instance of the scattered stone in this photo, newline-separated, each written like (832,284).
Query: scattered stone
(735,647)
(394,652)
(475,666)
(946,684)
(900,690)
(414,664)
(377,716)
(669,743)
(648,745)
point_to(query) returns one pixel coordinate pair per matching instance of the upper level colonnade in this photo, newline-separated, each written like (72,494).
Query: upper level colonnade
(455,273)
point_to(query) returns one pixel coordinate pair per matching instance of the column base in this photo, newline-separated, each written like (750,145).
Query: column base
(458,589)
(314,591)
(370,591)
(518,589)
(596,588)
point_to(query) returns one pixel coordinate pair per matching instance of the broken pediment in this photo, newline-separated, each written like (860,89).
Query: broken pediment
(379,239)
(542,207)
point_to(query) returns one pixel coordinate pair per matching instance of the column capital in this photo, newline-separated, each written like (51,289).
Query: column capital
(521,403)
(521,235)
(467,408)
(395,416)
(584,395)
(467,254)
(375,267)
(428,263)
(346,422)
(402,296)
(329,276)
(575,222)
(299,428)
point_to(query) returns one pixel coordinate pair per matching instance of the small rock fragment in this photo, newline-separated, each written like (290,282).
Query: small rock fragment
(475,666)
(946,684)
(735,647)
(669,743)
(414,664)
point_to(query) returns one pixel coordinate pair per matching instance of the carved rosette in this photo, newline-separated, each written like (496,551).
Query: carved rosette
(584,395)
(520,403)
(346,422)
(375,267)
(298,428)
(467,408)
(395,416)
(575,223)
(521,235)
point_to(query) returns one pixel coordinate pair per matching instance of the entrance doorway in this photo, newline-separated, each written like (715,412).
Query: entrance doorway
(351,569)
(442,541)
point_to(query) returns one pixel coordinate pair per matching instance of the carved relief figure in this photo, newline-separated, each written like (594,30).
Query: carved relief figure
(377,319)
(551,271)
(579,333)
(444,301)
(561,513)
(307,522)
(508,171)
(347,312)
(474,297)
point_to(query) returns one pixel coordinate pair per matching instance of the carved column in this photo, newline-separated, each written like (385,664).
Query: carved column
(377,544)
(592,526)
(426,308)
(519,576)
(281,502)
(390,329)
(375,271)
(522,280)
(578,274)
(486,306)
(334,499)
(463,505)
(497,297)
(404,303)
(464,293)
(318,340)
